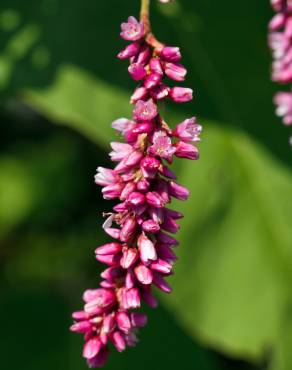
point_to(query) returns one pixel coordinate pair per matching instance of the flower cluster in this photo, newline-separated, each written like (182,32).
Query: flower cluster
(141,223)
(280,42)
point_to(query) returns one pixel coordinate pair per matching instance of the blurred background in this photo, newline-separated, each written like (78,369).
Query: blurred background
(61,86)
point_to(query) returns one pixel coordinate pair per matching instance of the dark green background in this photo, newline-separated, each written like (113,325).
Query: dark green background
(58,66)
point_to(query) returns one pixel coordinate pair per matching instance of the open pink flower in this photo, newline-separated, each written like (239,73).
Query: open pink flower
(132,30)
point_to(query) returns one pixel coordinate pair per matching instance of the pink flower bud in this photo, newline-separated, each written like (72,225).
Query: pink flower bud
(178,191)
(143,274)
(129,257)
(105,176)
(165,171)
(184,150)
(81,327)
(130,298)
(130,280)
(154,199)
(128,229)
(119,341)
(150,226)
(80,315)
(108,323)
(144,55)
(129,51)
(143,128)
(92,347)
(112,191)
(171,54)
(112,273)
(161,283)
(132,30)
(149,299)
(128,189)
(110,248)
(120,151)
(166,239)
(181,94)
(152,80)
(143,185)
(123,321)
(161,266)
(136,198)
(155,66)
(110,259)
(139,94)
(146,249)
(170,225)
(100,359)
(159,92)
(175,71)
(137,71)
(138,319)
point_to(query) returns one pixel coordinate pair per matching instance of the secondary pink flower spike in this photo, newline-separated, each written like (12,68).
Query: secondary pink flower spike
(141,254)
(280,42)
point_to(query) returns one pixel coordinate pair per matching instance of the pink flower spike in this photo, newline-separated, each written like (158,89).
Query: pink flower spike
(188,130)
(181,94)
(145,111)
(132,30)
(162,146)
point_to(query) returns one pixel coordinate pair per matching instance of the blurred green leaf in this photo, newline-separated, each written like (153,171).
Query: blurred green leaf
(232,280)
(78,100)
(233,276)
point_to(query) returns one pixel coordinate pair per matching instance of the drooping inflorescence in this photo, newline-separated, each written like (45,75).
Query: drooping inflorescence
(141,223)
(280,42)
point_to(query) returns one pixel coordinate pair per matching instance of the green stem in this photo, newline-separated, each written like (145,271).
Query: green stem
(145,15)
(145,19)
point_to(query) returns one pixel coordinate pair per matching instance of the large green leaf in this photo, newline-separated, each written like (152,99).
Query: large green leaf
(233,275)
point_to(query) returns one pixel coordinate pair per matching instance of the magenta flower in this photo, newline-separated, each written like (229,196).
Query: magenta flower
(141,255)
(145,110)
(280,42)
(132,30)
(162,146)
(283,102)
